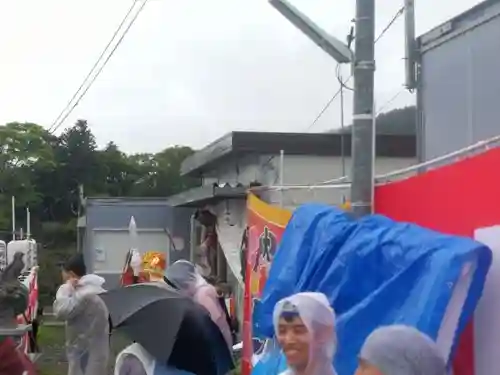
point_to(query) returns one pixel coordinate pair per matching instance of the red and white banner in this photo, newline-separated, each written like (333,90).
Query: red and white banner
(31,283)
(462,198)
(266,224)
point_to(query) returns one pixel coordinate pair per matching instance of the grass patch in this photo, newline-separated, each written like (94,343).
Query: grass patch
(53,360)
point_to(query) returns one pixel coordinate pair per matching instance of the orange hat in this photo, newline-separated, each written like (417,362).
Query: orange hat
(154,263)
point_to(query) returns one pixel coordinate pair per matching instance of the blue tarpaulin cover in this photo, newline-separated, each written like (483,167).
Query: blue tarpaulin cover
(374,272)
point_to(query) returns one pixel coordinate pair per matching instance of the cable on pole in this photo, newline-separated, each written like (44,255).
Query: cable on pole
(389,102)
(327,105)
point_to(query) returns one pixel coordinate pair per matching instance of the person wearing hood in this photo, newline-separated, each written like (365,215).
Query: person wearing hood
(87,319)
(304,325)
(400,350)
(188,280)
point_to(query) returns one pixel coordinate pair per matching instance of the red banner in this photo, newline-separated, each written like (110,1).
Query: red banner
(31,283)
(266,224)
(456,199)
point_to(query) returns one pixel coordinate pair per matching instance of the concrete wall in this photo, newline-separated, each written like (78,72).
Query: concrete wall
(460,82)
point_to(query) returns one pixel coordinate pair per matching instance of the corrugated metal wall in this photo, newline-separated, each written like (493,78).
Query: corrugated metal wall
(111,217)
(460,85)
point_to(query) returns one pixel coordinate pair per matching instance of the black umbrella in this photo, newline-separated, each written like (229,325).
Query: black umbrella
(171,327)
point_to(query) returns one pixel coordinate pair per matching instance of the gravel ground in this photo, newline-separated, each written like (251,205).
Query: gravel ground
(53,359)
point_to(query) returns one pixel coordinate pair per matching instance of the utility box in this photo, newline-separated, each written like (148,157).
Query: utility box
(458,81)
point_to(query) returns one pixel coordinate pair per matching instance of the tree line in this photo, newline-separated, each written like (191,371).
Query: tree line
(399,121)
(44,172)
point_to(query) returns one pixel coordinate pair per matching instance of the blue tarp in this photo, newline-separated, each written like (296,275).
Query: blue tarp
(374,271)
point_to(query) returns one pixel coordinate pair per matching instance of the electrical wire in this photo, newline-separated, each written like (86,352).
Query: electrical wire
(343,83)
(390,101)
(101,56)
(60,119)
(398,14)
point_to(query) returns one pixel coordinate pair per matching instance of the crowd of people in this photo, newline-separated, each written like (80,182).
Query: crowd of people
(304,329)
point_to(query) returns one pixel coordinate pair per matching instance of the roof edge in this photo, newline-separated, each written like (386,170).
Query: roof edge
(459,24)
(270,143)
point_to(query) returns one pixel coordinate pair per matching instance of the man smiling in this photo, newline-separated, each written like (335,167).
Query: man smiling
(305,328)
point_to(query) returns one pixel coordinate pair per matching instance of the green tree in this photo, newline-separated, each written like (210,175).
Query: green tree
(400,121)
(169,179)
(160,173)
(24,147)
(78,164)
(120,172)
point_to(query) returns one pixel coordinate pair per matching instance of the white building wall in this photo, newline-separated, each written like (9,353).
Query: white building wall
(298,170)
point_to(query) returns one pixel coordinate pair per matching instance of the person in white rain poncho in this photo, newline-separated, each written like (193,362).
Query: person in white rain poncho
(86,316)
(184,276)
(400,350)
(305,329)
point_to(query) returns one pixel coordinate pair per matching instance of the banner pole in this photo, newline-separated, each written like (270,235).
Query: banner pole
(282,176)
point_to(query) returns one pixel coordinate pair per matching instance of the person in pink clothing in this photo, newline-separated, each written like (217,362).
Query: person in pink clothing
(184,275)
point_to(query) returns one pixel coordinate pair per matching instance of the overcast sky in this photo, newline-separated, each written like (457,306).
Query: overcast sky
(191,70)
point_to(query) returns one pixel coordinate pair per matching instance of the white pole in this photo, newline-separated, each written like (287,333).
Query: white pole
(13,218)
(28,223)
(282,176)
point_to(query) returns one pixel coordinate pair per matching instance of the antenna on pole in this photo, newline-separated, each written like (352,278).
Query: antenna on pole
(410,45)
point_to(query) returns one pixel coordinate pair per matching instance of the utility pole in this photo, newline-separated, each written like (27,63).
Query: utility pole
(363,142)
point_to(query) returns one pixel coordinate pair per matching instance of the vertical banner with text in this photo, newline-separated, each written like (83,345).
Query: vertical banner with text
(266,224)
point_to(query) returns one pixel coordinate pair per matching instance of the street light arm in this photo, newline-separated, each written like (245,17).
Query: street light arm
(331,45)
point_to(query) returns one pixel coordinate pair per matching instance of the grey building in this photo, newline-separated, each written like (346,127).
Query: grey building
(104,235)
(458,81)
(240,158)
(235,162)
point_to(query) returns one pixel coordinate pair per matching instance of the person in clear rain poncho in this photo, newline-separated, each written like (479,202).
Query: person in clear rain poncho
(184,276)
(400,350)
(87,319)
(304,326)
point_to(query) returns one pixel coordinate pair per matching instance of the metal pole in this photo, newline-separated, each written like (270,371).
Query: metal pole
(363,115)
(410,45)
(282,176)
(192,239)
(28,223)
(13,205)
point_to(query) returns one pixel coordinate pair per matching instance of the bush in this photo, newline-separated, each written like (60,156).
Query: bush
(49,275)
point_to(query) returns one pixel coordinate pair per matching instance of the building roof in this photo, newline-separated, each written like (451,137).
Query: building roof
(471,18)
(126,201)
(199,196)
(237,144)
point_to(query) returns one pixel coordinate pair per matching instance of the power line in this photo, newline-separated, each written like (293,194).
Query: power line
(398,14)
(59,121)
(342,84)
(391,100)
(95,65)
